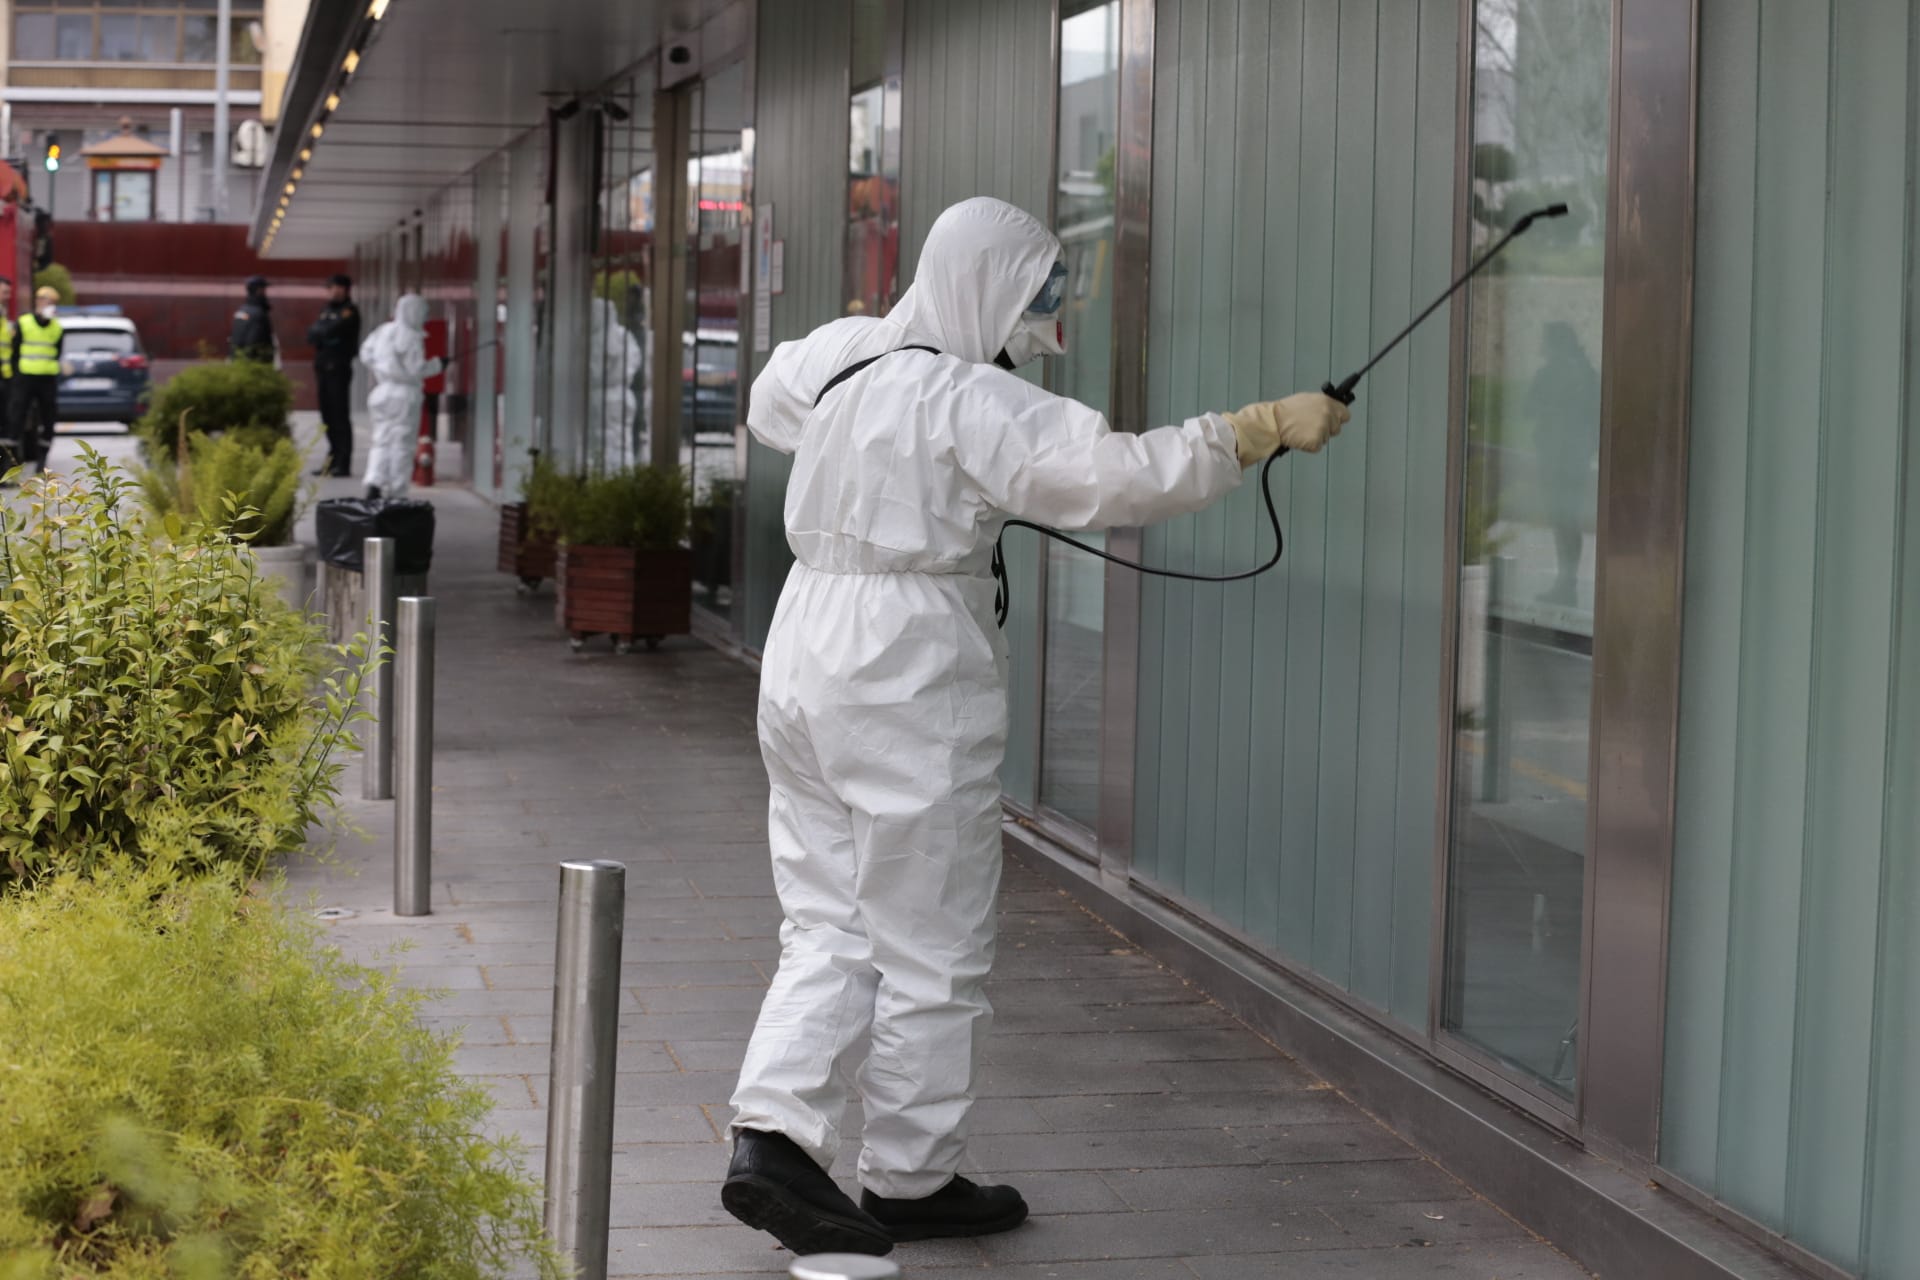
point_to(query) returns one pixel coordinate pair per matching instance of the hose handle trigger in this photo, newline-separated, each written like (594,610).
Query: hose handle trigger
(1344,392)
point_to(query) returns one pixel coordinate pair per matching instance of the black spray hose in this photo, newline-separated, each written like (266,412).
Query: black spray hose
(1343,392)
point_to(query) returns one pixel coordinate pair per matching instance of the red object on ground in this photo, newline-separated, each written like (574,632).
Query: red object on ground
(436,344)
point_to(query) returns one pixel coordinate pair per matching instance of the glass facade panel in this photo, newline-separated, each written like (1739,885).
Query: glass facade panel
(619,333)
(871,263)
(1089,113)
(1525,672)
(710,345)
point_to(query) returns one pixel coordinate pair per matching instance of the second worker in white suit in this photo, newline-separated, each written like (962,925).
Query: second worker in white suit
(396,356)
(883,709)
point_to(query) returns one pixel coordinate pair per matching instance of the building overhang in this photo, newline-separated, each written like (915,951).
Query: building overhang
(391,101)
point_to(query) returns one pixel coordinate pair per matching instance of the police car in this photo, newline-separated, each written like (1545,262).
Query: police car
(108,376)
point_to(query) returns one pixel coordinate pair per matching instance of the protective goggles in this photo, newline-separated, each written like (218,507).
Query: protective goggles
(1052,294)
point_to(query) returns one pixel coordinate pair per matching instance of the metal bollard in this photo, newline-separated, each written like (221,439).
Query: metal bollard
(586,1031)
(378,588)
(1496,767)
(413,758)
(842,1266)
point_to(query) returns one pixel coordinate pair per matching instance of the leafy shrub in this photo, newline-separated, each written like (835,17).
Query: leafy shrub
(198,1090)
(155,699)
(643,508)
(59,279)
(251,494)
(548,493)
(243,396)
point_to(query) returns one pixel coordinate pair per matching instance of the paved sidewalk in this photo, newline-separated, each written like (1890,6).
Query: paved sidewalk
(1153,1134)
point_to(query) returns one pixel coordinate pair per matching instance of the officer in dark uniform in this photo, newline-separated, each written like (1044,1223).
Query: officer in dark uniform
(253,325)
(335,338)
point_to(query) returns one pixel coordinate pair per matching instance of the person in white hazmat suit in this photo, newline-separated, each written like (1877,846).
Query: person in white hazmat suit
(883,709)
(396,355)
(614,360)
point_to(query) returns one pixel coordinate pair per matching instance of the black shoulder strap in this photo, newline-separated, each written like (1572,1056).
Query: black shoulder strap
(857,366)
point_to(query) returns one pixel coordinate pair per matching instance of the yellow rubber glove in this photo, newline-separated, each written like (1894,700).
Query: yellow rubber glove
(1304,422)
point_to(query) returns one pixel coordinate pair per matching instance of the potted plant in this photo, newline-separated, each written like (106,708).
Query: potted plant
(713,536)
(624,568)
(246,488)
(528,528)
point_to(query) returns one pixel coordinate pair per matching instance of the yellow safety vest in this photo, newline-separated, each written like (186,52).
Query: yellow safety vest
(6,348)
(39,346)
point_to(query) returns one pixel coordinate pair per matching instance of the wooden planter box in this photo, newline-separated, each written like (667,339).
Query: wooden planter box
(526,557)
(629,595)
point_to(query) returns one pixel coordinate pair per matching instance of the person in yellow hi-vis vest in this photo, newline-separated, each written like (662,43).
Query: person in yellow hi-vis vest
(37,366)
(6,358)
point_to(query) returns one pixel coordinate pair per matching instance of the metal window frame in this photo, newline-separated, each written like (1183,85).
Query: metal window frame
(1132,257)
(1647,339)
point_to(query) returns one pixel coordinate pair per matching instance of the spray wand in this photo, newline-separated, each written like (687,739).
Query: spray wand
(1343,392)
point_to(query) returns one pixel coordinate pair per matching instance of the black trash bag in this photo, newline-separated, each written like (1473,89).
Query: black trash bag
(342,524)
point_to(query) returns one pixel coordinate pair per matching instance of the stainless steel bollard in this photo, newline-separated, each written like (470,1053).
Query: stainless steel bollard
(586,1030)
(413,758)
(1496,766)
(377,588)
(842,1266)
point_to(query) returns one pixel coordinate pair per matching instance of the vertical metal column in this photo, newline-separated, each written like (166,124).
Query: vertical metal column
(586,1031)
(413,764)
(380,591)
(222,138)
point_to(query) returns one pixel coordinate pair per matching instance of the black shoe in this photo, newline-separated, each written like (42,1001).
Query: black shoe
(373,493)
(774,1186)
(958,1209)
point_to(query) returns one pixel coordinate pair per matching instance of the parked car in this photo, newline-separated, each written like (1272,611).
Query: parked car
(109,377)
(709,382)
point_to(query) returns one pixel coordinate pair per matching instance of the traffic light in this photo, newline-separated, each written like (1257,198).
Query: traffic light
(53,157)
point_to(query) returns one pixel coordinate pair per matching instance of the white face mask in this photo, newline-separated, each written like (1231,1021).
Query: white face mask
(1036,335)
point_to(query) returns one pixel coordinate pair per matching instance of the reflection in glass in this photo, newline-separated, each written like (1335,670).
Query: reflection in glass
(618,331)
(1083,219)
(709,373)
(871,268)
(1525,671)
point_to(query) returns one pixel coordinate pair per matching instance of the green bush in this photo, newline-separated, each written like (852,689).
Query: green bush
(57,278)
(249,493)
(195,1090)
(155,698)
(548,493)
(642,508)
(241,396)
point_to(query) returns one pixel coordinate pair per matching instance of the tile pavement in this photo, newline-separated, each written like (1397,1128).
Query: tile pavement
(1155,1136)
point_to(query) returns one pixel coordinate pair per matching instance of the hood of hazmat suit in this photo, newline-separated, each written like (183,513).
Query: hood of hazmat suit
(883,714)
(397,350)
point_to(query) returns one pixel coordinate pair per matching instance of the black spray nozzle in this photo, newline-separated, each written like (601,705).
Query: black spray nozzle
(1344,391)
(1551,211)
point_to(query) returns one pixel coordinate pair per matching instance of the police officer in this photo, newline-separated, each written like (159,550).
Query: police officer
(335,338)
(35,398)
(252,337)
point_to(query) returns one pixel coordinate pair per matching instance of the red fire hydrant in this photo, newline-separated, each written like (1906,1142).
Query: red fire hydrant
(436,345)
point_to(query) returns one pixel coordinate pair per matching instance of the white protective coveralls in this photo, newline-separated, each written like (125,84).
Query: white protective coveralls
(611,366)
(883,707)
(396,355)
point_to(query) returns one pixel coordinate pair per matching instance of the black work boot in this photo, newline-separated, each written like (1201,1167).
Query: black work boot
(958,1209)
(774,1186)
